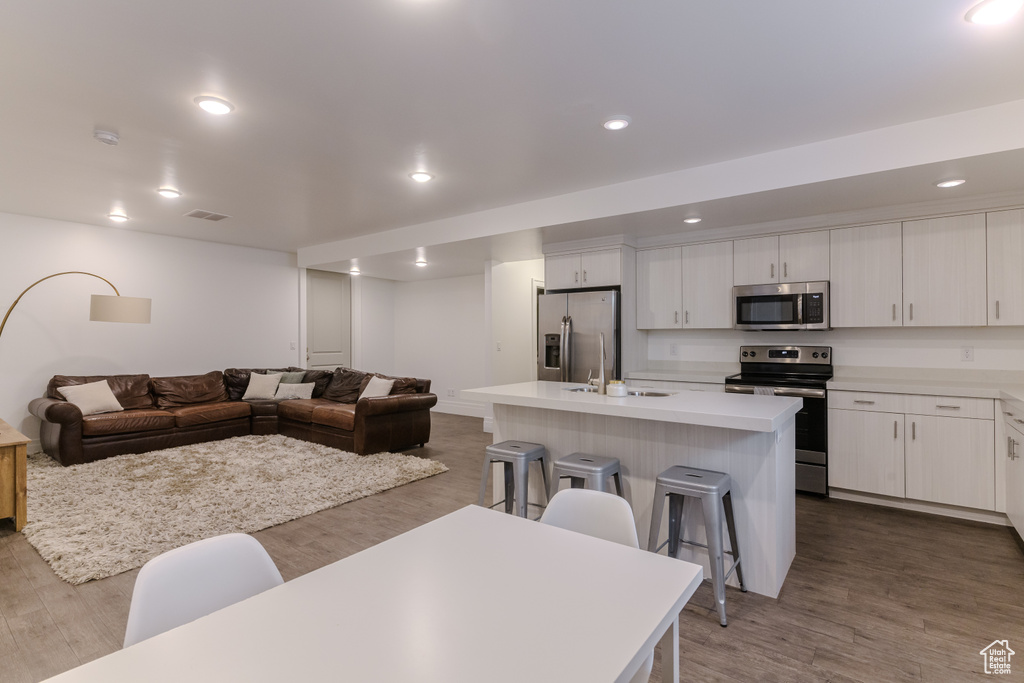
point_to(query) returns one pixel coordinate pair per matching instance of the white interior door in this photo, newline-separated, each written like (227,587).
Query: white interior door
(328,320)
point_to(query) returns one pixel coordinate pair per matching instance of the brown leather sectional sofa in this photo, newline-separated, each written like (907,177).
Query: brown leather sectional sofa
(163,412)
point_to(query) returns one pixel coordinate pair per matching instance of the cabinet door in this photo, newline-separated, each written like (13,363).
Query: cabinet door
(1006,268)
(756,261)
(951,460)
(944,271)
(865,451)
(562,271)
(659,289)
(601,268)
(803,257)
(707,286)
(1015,479)
(866,267)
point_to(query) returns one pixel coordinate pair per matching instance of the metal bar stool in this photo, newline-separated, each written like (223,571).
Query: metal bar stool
(586,471)
(714,491)
(516,457)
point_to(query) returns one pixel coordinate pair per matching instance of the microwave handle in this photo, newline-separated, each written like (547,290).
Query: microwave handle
(800,309)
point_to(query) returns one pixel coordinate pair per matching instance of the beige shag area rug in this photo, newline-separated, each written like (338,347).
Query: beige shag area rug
(102,518)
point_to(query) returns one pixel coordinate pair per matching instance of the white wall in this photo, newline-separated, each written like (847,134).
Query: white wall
(214,306)
(995,348)
(439,334)
(373,325)
(513,298)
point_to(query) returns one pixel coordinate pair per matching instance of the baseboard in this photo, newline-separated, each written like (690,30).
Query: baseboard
(459,408)
(986,516)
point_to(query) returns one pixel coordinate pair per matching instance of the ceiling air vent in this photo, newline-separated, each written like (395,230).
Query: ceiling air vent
(206,215)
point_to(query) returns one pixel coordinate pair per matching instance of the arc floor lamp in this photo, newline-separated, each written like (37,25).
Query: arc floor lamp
(104,307)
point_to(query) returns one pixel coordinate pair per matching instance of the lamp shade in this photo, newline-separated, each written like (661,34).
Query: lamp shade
(119,309)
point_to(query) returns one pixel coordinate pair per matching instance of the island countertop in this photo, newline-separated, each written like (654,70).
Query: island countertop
(729,411)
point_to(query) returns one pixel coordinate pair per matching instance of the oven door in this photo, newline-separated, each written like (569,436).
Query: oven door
(811,433)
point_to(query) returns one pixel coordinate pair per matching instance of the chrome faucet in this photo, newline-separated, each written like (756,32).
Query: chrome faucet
(602,386)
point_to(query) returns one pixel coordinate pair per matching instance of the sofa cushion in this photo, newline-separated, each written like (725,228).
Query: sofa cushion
(143,420)
(340,415)
(290,391)
(236,380)
(262,386)
(346,385)
(189,389)
(377,387)
(293,377)
(320,380)
(263,408)
(131,391)
(301,409)
(91,398)
(208,413)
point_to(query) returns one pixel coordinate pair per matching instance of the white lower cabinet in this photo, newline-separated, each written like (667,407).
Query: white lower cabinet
(865,452)
(904,446)
(1013,452)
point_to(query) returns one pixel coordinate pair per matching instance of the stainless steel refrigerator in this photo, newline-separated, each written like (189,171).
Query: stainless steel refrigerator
(569,327)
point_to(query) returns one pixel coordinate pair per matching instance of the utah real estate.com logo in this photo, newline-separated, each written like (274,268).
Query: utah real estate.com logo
(997,657)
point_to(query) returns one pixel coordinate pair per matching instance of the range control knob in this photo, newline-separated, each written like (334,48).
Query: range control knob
(753,353)
(815,354)
(824,354)
(745,354)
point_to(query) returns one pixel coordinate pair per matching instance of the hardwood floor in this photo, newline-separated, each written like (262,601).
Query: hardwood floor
(873,595)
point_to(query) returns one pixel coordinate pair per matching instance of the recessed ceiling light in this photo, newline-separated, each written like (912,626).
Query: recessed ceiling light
(422,263)
(692,220)
(117,216)
(993,11)
(617,122)
(951,183)
(421,176)
(169,192)
(353,271)
(214,105)
(107,137)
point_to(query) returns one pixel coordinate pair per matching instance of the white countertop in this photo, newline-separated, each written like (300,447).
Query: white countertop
(965,383)
(703,376)
(729,411)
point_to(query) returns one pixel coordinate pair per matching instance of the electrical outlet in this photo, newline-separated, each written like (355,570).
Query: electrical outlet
(673,349)
(451,393)
(967,354)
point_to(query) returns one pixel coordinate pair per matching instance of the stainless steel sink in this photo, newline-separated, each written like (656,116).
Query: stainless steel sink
(645,392)
(586,390)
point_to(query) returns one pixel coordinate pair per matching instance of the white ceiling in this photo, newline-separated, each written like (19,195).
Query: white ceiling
(501,99)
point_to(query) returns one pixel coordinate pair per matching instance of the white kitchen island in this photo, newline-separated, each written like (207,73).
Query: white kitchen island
(749,437)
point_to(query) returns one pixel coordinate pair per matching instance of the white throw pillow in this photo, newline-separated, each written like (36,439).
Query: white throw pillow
(92,398)
(377,387)
(261,387)
(287,391)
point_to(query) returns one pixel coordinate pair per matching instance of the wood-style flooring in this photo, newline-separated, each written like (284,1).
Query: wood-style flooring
(874,594)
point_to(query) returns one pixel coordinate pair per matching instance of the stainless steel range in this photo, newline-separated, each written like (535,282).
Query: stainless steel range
(800,371)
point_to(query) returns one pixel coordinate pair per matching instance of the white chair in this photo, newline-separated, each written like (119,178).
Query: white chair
(195,580)
(602,515)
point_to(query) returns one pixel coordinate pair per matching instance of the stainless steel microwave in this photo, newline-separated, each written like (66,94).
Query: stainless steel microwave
(788,306)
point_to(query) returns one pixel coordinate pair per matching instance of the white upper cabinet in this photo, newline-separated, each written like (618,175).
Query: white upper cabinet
(756,261)
(707,285)
(867,276)
(1006,268)
(659,289)
(797,257)
(803,256)
(944,281)
(587,269)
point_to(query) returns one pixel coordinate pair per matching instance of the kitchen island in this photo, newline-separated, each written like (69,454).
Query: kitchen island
(752,438)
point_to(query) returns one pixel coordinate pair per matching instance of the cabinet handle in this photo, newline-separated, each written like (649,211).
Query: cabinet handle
(911,311)
(584,277)
(948,407)
(785,269)
(576,276)
(687,317)
(677,316)
(865,403)
(895,427)
(997,309)
(913,430)
(1009,447)
(894,311)
(773,270)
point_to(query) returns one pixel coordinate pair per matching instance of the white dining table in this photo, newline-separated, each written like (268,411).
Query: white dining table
(476,595)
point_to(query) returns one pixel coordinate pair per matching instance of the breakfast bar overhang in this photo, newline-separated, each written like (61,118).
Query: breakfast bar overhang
(751,438)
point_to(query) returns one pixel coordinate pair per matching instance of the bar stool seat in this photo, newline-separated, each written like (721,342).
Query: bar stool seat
(586,471)
(516,457)
(714,490)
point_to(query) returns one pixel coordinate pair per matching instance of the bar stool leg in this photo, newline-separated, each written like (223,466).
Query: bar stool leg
(713,527)
(730,523)
(675,523)
(618,484)
(599,482)
(657,510)
(544,475)
(521,472)
(510,487)
(483,479)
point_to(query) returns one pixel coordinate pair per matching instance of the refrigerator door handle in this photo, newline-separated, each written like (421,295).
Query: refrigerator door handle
(566,352)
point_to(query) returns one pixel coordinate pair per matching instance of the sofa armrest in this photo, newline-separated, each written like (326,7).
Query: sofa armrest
(399,403)
(57,412)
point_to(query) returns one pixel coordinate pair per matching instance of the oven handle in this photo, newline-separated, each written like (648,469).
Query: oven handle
(795,392)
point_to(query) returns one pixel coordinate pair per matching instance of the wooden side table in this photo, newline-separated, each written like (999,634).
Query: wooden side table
(13,476)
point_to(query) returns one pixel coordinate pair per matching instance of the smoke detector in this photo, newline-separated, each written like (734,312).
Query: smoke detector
(106,137)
